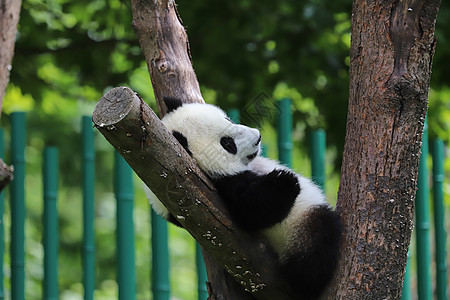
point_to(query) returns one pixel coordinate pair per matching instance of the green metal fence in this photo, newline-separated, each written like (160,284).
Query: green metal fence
(50,221)
(126,273)
(123,189)
(88,186)
(423,227)
(424,285)
(17,206)
(439,222)
(2,229)
(160,259)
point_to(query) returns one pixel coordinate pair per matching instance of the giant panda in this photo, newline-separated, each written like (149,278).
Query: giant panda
(262,196)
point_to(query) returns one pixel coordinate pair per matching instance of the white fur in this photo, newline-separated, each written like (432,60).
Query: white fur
(159,208)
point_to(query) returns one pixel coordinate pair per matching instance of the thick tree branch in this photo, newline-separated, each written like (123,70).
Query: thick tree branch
(165,46)
(159,160)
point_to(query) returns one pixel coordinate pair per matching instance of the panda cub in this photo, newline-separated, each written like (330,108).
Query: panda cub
(261,195)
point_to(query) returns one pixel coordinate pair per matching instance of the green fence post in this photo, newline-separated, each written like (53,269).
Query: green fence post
(285,132)
(88,179)
(160,258)
(317,154)
(50,222)
(123,187)
(234,115)
(17,204)
(202,278)
(423,224)
(406,289)
(2,229)
(439,221)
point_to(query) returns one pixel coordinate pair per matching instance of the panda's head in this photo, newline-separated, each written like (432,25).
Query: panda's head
(219,146)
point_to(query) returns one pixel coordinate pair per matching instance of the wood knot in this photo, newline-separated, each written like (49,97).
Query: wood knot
(163,66)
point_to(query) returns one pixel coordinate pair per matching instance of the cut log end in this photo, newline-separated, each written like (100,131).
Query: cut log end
(114,106)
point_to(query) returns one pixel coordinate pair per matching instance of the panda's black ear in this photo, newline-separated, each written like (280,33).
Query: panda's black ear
(172,103)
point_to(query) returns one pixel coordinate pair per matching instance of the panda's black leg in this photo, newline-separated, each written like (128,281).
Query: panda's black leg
(312,258)
(256,202)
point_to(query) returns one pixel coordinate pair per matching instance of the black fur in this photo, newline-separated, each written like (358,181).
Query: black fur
(258,201)
(172,103)
(311,267)
(182,140)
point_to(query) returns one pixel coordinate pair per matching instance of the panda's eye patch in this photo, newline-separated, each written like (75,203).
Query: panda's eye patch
(228,144)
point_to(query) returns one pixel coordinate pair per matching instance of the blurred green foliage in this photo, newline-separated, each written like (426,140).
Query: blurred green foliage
(68,53)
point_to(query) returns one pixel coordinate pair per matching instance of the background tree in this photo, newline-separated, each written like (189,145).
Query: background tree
(9,17)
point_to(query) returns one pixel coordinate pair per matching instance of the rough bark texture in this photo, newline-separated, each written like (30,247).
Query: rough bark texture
(159,160)
(6,174)
(391,54)
(165,45)
(9,17)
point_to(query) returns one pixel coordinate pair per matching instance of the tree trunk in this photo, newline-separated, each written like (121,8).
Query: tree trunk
(9,17)
(390,65)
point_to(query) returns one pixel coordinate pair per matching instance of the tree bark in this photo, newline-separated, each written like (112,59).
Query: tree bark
(9,17)
(159,160)
(390,65)
(6,174)
(165,45)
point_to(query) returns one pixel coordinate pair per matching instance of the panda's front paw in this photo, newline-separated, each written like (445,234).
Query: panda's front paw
(284,181)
